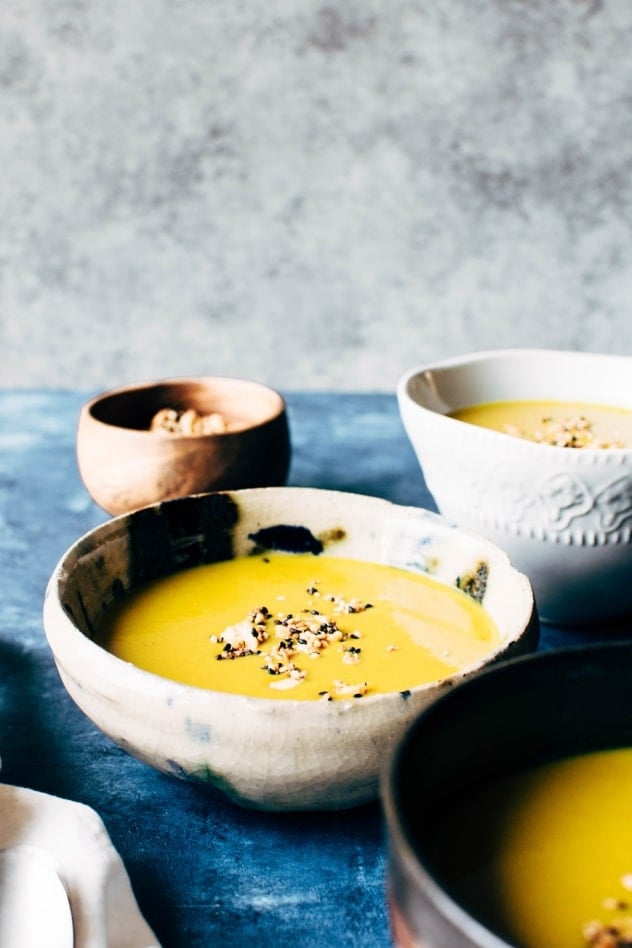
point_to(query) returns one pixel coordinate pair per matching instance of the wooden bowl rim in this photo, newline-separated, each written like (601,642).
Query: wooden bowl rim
(270,408)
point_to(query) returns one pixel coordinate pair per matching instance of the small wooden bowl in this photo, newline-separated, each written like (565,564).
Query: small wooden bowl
(125,465)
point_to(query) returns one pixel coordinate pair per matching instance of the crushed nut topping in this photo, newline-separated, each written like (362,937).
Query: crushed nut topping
(351,655)
(615,905)
(238,638)
(567,433)
(188,422)
(357,691)
(354,605)
(615,934)
(291,635)
(284,683)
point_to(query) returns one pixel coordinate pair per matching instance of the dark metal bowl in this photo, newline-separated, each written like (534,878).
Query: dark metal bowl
(520,713)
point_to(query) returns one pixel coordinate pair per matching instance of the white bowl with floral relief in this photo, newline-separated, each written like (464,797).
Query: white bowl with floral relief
(263,753)
(564,516)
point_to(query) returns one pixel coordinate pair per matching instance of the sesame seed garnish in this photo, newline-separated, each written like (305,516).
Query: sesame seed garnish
(572,432)
(290,636)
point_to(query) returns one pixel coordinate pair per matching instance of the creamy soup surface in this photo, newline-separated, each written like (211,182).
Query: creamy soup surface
(545,858)
(563,424)
(299,626)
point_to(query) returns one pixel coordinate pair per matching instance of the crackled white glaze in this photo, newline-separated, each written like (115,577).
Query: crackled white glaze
(564,516)
(261,752)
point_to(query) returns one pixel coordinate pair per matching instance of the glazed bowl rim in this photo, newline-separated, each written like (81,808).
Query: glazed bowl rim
(407,400)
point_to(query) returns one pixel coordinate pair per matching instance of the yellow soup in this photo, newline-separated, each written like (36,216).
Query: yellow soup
(564,424)
(545,858)
(299,626)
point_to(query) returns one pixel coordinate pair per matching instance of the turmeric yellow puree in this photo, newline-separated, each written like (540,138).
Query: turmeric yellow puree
(546,856)
(565,424)
(298,626)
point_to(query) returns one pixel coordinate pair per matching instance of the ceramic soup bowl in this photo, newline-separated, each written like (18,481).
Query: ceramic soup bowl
(564,516)
(265,753)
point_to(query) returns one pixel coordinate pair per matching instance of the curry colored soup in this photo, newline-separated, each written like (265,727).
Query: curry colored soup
(564,424)
(300,627)
(545,858)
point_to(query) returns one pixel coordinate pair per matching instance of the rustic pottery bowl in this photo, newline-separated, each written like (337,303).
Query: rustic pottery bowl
(264,753)
(125,465)
(564,516)
(521,713)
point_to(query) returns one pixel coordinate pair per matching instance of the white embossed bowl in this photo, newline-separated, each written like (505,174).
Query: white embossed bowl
(564,516)
(265,753)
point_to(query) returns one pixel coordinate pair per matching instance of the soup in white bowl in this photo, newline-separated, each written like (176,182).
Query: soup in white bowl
(564,516)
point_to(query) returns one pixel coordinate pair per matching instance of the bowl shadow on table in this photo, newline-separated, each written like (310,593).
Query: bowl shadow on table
(16,754)
(36,753)
(29,754)
(609,629)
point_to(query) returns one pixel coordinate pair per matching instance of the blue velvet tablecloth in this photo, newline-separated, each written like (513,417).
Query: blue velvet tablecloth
(204,871)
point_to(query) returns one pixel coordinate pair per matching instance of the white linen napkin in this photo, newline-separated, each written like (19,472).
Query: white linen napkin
(104,911)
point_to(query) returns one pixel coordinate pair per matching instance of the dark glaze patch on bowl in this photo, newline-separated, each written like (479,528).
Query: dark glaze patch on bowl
(474,584)
(286,537)
(181,533)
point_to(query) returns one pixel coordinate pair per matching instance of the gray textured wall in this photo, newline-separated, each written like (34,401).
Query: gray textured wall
(312,194)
